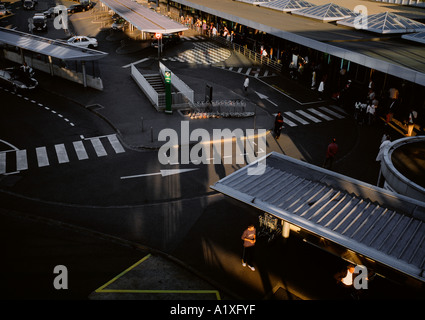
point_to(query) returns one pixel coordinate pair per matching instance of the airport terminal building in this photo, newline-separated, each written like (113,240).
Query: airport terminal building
(369,43)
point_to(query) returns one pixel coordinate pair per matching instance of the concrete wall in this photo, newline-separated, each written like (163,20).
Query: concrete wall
(394,180)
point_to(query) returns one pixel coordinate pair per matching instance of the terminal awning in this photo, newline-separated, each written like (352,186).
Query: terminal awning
(287,5)
(326,12)
(48,47)
(385,22)
(375,223)
(417,37)
(143,18)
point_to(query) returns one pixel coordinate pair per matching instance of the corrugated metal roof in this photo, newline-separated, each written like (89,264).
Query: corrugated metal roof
(48,47)
(143,18)
(376,223)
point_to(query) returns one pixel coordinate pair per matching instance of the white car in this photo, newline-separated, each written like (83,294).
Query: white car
(83,41)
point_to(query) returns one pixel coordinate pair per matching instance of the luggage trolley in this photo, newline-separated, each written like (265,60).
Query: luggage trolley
(269,227)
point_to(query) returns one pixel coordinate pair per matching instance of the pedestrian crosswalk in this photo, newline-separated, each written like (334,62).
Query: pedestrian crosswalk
(255,72)
(12,161)
(302,117)
(203,53)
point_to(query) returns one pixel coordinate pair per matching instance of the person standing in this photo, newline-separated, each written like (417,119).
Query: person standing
(246,84)
(411,122)
(331,152)
(249,238)
(278,124)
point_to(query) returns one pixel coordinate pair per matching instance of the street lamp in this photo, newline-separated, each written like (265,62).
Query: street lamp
(159,37)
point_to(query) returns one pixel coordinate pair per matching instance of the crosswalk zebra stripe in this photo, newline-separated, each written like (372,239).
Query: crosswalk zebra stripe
(80,150)
(332,112)
(61,153)
(308,116)
(2,162)
(293,116)
(21,160)
(318,113)
(289,122)
(98,147)
(42,159)
(115,144)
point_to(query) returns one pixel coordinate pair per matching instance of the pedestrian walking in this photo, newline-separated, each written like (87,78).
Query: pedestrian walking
(278,124)
(249,238)
(246,84)
(331,152)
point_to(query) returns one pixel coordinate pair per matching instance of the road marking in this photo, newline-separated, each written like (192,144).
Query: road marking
(293,116)
(61,153)
(102,289)
(2,162)
(318,113)
(98,147)
(332,112)
(163,173)
(115,143)
(262,96)
(308,116)
(42,159)
(21,160)
(80,150)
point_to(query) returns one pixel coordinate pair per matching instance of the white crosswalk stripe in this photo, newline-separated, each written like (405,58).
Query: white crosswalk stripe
(12,161)
(42,158)
(249,71)
(203,53)
(311,115)
(80,150)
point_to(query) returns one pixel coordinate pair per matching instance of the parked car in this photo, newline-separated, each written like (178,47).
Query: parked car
(29,4)
(80,7)
(52,12)
(168,40)
(119,24)
(20,78)
(3,10)
(83,41)
(38,23)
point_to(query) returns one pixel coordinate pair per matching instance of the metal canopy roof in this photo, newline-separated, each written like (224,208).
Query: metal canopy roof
(287,5)
(385,22)
(143,18)
(255,2)
(378,224)
(326,12)
(48,47)
(417,37)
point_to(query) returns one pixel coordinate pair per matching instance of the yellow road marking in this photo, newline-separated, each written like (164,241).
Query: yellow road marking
(103,290)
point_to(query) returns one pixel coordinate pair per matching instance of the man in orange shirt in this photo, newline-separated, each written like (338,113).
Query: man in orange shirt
(249,239)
